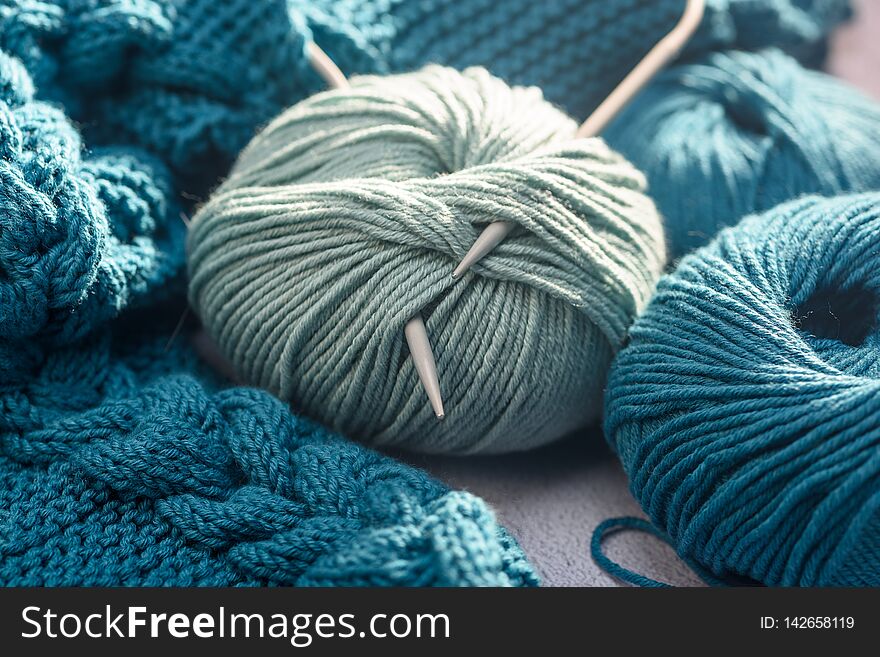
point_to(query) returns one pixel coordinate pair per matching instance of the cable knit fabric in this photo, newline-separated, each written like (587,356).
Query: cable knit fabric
(115,469)
(81,235)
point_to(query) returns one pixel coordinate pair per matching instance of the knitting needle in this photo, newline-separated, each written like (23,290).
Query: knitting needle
(415,332)
(636,79)
(326,67)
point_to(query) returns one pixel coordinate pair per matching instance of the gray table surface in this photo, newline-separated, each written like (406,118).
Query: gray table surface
(551,499)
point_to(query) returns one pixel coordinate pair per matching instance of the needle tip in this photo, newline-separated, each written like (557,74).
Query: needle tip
(486,241)
(423,359)
(462,268)
(437,404)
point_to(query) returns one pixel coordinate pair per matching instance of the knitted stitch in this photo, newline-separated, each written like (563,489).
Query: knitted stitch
(81,237)
(192,79)
(117,470)
(344,218)
(746,409)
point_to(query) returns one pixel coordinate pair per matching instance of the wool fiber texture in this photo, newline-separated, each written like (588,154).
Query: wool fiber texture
(746,409)
(739,133)
(345,217)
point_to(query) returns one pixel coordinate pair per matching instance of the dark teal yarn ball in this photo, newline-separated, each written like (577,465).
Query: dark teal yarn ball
(741,132)
(799,27)
(746,408)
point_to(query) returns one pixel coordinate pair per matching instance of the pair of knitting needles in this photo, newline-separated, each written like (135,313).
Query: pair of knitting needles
(663,52)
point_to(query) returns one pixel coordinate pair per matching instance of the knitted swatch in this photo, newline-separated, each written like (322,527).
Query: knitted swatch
(191,80)
(344,218)
(746,409)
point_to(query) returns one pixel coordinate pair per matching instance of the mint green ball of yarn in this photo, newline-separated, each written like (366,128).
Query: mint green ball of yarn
(345,217)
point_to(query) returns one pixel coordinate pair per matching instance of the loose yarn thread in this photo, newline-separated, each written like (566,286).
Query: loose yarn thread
(344,217)
(741,132)
(745,409)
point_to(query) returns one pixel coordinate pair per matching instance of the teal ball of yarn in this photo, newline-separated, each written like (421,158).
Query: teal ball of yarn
(746,409)
(741,132)
(344,218)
